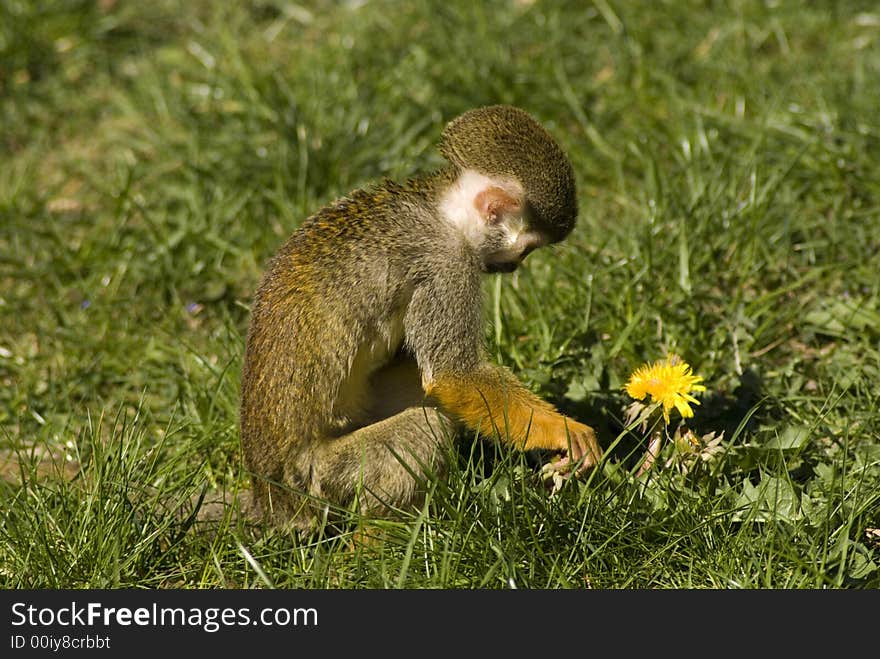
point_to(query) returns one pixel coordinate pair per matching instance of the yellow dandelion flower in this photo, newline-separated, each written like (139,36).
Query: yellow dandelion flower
(668,382)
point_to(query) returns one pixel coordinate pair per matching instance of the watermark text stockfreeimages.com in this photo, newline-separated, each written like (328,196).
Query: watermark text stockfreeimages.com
(94,615)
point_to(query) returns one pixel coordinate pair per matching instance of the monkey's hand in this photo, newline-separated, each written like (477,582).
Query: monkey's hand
(581,451)
(491,397)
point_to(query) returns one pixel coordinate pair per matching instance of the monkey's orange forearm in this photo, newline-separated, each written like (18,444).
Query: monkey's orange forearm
(493,401)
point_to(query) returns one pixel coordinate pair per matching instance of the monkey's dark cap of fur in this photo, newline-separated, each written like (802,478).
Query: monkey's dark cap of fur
(501,140)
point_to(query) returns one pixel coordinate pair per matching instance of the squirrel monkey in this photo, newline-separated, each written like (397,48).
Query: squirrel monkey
(365,343)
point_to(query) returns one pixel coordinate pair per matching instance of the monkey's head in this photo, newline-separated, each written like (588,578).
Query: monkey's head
(515,189)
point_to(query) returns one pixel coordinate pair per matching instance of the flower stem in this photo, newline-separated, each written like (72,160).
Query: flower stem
(652,453)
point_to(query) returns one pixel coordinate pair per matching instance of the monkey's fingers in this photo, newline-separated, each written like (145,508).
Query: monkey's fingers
(591,451)
(562,465)
(566,467)
(556,474)
(583,453)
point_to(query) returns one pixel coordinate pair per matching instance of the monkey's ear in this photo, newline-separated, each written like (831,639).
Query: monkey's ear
(494,203)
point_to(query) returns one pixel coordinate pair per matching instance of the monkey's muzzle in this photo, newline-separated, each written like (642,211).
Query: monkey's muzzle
(506,266)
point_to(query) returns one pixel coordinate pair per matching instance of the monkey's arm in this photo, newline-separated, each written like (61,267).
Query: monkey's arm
(444,331)
(493,401)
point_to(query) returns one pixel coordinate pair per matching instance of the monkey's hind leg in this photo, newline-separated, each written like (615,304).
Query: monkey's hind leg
(384,467)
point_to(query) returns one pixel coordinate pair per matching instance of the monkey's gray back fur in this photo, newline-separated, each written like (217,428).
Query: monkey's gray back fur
(359,266)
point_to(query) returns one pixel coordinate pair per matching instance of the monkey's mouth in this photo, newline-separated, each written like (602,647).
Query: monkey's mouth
(506,266)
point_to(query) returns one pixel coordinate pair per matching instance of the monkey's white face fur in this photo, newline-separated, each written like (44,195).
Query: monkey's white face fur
(491,214)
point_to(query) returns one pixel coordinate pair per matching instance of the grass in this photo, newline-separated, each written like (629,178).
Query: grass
(155,154)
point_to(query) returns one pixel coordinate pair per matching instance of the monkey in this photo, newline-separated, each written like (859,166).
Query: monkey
(364,352)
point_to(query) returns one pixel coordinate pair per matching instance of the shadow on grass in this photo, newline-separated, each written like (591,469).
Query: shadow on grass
(718,411)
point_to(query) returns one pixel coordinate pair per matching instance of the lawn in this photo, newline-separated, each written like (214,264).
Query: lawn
(154,155)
